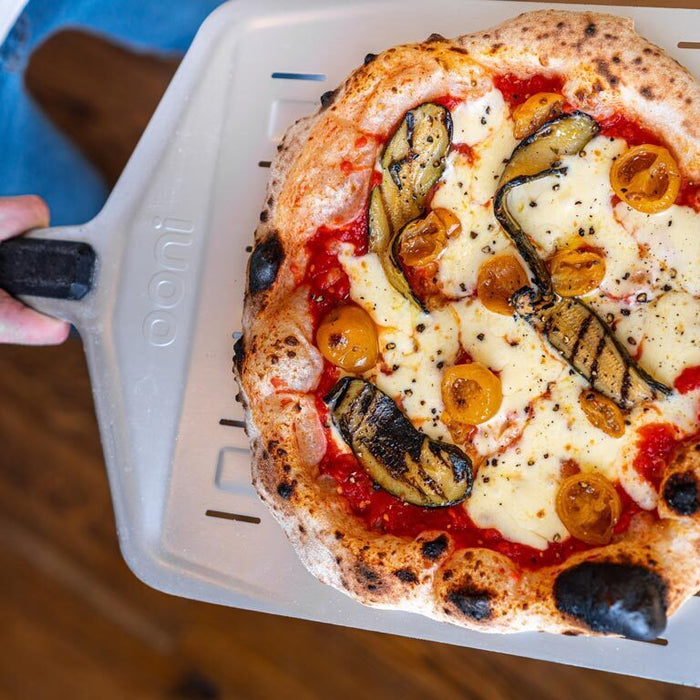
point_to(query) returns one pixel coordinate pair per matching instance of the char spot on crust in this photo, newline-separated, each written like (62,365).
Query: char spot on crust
(265,261)
(612,598)
(591,29)
(681,493)
(239,353)
(434,38)
(605,72)
(328,98)
(264,216)
(435,548)
(406,575)
(364,572)
(286,488)
(647,92)
(369,58)
(472,602)
(339,535)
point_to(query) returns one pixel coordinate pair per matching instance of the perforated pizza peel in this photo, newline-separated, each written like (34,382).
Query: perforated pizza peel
(166,301)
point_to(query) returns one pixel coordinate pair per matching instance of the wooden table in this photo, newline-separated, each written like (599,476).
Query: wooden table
(74,621)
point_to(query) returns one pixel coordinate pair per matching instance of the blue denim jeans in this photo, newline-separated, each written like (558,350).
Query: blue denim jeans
(36,157)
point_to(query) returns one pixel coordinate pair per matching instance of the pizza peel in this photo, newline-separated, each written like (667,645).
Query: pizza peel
(155,282)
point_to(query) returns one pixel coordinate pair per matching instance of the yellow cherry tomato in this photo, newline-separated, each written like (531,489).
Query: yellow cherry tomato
(471,393)
(576,272)
(499,278)
(347,337)
(603,413)
(423,240)
(589,507)
(647,178)
(535,111)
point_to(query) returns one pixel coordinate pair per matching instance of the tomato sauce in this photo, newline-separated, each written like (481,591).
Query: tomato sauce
(328,283)
(385,513)
(447,101)
(654,447)
(516,90)
(688,380)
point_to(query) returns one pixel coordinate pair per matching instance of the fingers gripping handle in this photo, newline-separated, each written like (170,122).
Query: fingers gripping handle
(46,268)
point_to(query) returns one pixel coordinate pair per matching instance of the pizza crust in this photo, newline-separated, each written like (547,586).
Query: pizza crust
(608,67)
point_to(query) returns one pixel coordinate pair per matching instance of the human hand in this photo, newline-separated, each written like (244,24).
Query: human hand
(18,323)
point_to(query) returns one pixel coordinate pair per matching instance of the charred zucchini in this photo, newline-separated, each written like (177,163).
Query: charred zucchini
(398,457)
(412,162)
(588,345)
(539,156)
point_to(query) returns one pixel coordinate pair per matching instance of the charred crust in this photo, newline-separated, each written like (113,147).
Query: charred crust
(681,493)
(264,216)
(612,598)
(239,354)
(605,72)
(369,58)
(472,602)
(434,549)
(265,261)
(339,535)
(434,38)
(591,29)
(406,575)
(285,489)
(328,98)
(646,92)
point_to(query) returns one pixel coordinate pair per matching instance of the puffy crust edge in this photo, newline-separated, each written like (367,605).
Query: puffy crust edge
(277,365)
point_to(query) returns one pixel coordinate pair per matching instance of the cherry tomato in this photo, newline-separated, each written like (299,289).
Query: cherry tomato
(589,507)
(347,337)
(471,393)
(535,111)
(423,240)
(647,178)
(461,432)
(576,272)
(603,413)
(499,278)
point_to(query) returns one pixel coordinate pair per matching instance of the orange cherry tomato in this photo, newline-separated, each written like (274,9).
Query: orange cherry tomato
(499,278)
(647,178)
(535,111)
(460,432)
(471,393)
(347,337)
(576,272)
(603,413)
(423,240)
(589,507)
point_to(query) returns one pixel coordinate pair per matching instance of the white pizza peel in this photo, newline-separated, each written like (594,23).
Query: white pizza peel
(163,299)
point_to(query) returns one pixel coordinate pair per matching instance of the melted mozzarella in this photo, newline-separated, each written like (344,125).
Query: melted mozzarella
(540,424)
(473,121)
(671,238)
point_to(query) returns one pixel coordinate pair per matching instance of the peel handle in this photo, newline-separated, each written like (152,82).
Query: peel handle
(46,268)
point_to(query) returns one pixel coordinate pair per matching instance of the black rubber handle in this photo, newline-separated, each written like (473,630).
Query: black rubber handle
(46,268)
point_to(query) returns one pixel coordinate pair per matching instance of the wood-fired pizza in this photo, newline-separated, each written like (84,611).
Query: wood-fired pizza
(471,350)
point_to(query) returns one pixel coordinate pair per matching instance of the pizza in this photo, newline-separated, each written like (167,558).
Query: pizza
(470,359)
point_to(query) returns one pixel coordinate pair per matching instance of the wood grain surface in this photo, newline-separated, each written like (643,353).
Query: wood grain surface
(74,622)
